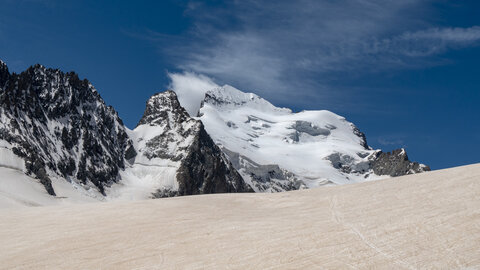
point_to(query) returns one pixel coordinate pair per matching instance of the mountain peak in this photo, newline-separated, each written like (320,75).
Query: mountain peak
(228,97)
(275,149)
(51,91)
(162,106)
(177,152)
(60,126)
(167,98)
(4,73)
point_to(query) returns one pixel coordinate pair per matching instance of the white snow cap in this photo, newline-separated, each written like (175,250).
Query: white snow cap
(190,88)
(230,96)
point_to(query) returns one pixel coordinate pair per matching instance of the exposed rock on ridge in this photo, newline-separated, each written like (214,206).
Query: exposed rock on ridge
(4,74)
(395,163)
(61,127)
(206,170)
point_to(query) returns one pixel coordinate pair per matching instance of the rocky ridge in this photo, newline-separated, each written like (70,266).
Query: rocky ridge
(61,127)
(395,163)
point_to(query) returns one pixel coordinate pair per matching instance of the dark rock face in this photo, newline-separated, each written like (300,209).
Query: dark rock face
(206,170)
(395,163)
(362,136)
(162,105)
(4,74)
(61,126)
(130,153)
(203,167)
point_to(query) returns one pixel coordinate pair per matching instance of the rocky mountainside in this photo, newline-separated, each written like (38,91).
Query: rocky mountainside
(275,149)
(60,126)
(4,74)
(56,126)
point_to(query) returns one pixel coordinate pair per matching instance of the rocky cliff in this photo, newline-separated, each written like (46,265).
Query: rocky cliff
(59,125)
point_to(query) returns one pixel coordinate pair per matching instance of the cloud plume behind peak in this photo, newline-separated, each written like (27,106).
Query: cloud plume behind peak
(190,88)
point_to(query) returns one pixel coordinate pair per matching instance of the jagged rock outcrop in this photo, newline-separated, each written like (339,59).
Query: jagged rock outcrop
(395,163)
(60,126)
(177,140)
(4,74)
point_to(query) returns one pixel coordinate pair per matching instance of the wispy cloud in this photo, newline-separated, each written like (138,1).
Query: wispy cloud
(426,42)
(276,47)
(190,88)
(454,35)
(391,141)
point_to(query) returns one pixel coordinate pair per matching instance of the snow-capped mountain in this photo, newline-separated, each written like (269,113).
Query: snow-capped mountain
(175,156)
(56,127)
(58,134)
(275,149)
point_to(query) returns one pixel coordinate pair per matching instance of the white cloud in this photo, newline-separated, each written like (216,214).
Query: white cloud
(448,34)
(435,40)
(305,47)
(241,59)
(190,88)
(391,141)
(273,46)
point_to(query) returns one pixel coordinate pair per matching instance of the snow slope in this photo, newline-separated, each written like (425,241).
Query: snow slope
(311,148)
(421,221)
(19,190)
(147,173)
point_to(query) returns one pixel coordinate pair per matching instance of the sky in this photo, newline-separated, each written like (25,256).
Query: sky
(405,72)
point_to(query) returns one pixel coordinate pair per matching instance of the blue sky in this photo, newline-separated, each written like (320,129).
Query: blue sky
(405,72)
